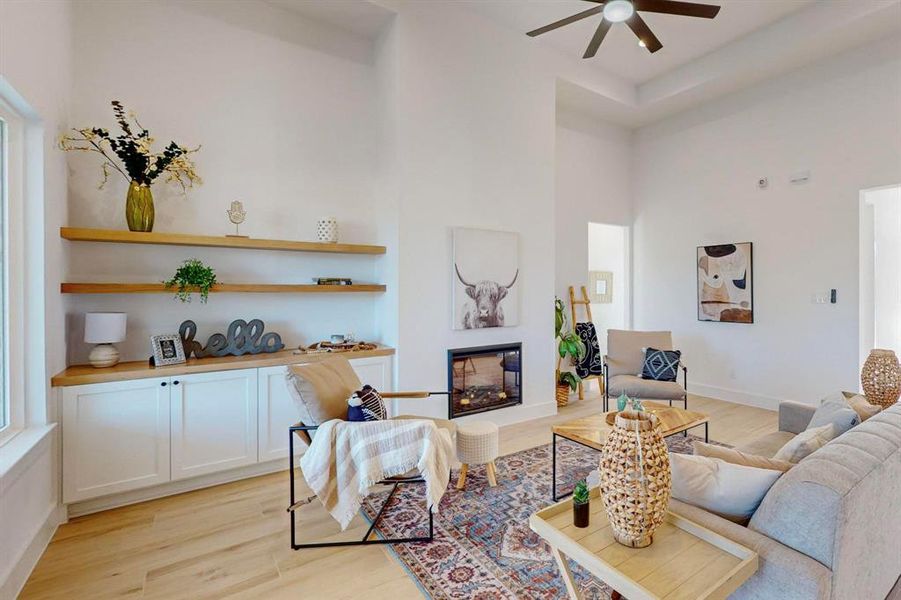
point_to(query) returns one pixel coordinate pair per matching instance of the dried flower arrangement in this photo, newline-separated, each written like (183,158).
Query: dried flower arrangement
(131,155)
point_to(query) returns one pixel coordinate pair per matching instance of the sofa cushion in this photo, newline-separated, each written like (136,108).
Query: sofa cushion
(737,457)
(806,443)
(636,387)
(861,405)
(625,349)
(767,445)
(836,506)
(725,489)
(834,409)
(320,389)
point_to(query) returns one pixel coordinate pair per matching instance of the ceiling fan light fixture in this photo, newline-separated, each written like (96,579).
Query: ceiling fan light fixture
(617,11)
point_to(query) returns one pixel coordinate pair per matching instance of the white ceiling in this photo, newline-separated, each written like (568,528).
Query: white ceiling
(684,38)
(359,17)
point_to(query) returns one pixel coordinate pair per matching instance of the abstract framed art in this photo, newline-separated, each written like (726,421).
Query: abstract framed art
(726,283)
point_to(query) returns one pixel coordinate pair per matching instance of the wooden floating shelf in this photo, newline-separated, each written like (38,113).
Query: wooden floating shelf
(254,288)
(183,239)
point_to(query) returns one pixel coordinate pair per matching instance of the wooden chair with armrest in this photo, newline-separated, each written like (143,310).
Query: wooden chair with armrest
(623,365)
(320,391)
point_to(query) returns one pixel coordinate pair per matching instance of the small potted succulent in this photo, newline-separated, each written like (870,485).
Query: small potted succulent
(580,504)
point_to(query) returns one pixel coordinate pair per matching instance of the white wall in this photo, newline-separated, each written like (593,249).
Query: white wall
(35,51)
(290,130)
(607,251)
(695,184)
(593,178)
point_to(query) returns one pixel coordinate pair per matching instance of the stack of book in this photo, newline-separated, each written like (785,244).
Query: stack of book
(333,281)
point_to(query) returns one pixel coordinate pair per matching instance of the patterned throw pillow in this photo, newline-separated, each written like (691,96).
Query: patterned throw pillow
(372,404)
(591,363)
(661,365)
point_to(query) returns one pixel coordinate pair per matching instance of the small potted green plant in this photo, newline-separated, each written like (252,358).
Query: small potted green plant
(192,276)
(569,344)
(580,504)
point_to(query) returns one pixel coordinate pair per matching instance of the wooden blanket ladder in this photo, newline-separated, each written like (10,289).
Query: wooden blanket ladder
(586,302)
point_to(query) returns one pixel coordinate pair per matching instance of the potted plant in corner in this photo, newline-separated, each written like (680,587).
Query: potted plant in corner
(132,155)
(568,345)
(580,504)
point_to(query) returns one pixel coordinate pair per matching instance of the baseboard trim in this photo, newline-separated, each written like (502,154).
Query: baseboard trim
(86,507)
(21,571)
(735,396)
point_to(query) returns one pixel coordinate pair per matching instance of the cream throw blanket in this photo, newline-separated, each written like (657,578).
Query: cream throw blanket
(347,458)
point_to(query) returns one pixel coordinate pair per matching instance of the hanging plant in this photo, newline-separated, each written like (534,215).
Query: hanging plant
(192,276)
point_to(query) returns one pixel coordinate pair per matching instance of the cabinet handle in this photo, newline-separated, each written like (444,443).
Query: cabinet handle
(175,382)
(163,384)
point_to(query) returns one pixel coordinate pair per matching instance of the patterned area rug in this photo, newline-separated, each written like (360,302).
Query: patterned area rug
(483,547)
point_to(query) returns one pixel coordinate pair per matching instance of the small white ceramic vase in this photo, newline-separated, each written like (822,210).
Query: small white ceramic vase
(327,230)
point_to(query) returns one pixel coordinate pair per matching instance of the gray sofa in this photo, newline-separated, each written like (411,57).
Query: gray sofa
(830,528)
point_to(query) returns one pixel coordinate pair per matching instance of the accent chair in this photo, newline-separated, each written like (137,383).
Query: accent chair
(623,364)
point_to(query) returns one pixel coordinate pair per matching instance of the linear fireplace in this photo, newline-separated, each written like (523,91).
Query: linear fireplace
(483,378)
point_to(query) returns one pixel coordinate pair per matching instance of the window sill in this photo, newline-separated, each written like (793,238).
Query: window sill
(21,450)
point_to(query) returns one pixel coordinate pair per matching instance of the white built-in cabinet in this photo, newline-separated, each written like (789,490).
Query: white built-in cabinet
(127,435)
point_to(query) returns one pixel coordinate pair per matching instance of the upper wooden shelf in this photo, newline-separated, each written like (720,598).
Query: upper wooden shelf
(183,239)
(258,288)
(127,371)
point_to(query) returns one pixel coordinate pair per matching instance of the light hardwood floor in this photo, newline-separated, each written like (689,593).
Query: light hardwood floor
(232,540)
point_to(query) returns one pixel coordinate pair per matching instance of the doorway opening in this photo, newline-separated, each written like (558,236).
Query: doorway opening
(609,262)
(880,269)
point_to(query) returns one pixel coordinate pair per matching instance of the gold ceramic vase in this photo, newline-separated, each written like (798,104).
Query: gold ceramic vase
(881,378)
(139,207)
(635,478)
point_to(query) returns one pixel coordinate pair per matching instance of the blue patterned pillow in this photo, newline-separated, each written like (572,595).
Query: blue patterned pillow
(372,404)
(661,365)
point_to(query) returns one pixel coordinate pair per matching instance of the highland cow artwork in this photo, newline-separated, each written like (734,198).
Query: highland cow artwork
(725,283)
(485,275)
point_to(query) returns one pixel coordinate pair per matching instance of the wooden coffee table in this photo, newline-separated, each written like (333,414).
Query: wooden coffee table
(686,561)
(592,431)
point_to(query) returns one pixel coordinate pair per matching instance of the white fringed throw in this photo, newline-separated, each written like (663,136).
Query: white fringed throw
(347,458)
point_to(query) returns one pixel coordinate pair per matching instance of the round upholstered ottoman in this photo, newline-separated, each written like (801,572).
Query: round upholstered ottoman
(477,445)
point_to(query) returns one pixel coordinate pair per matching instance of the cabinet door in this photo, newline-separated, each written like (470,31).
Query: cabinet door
(214,422)
(277,413)
(115,437)
(376,371)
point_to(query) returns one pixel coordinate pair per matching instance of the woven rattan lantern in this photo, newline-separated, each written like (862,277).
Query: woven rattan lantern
(881,378)
(635,478)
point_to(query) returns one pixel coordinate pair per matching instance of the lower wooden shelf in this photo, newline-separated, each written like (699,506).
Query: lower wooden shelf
(127,371)
(258,288)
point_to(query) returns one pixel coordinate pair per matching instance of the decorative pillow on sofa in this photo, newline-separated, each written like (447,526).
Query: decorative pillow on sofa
(834,409)
(861,405)
(366,405)
(731,491)
(736,457)
(805,443)
(661,365)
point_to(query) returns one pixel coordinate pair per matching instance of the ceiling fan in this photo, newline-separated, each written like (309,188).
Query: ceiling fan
(616,11)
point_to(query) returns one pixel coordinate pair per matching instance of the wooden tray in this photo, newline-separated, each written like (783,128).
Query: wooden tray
(686,560)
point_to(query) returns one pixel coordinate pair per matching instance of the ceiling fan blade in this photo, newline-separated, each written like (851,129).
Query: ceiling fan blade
(671,7)
(644,33)
(597,38)
(568,20)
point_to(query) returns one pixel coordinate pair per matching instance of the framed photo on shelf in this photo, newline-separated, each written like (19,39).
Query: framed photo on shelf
(167,349)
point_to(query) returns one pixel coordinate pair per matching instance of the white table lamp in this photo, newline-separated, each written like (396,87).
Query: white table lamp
(104,329)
